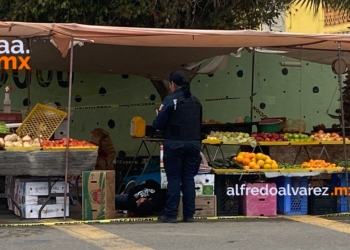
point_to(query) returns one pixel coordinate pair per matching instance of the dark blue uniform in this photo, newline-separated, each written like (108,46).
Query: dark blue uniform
(180,118)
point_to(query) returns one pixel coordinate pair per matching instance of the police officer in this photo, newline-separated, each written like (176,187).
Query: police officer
(180,118)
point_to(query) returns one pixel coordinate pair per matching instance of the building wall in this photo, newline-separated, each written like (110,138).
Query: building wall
(302,19)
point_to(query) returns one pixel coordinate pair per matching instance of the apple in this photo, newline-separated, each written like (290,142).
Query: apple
(273,139)
(254,135)
(267,139)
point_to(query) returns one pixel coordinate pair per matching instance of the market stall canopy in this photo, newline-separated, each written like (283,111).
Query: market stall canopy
(316,56)
(152,52)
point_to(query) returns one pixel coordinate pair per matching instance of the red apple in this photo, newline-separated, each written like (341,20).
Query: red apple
(273,139)
(254,135)
(267,139)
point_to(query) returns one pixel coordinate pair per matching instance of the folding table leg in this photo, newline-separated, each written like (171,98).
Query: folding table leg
(149,158)
(324,150)
(297,156)
(48,197)
(12,189)
(77,189)
(132,164)
(205,148)
(216,152)
(307,152)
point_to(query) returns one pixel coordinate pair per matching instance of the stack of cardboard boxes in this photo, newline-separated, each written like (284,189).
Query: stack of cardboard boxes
(205,194)
(32,193)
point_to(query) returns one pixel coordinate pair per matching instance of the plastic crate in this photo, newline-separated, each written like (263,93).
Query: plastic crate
(339,180)
(11,117)
(261,204)
(319,204)
(226,205)
(292,204)
(42,120)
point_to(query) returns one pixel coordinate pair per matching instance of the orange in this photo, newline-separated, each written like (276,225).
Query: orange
(261,163)
(274,166)
(239,159)
(252,164)
(251,155)
(256,166)
(259,156)
(246,167)
(246,161)
(267,166)
(268,161)
(241,154)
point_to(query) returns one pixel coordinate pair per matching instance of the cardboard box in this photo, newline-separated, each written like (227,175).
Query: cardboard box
(39,187)
(205,183)
(49,211)
(39,200)
(205,206)
(98,195)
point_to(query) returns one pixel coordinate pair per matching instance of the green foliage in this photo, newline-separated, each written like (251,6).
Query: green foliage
(340,5)
(200,14)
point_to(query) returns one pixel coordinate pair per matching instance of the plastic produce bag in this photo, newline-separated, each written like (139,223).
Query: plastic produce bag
(204,163)
(294,126)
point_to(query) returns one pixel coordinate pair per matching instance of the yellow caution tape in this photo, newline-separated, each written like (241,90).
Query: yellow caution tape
(150,219)
(144,104)
(125,220)
(335,215)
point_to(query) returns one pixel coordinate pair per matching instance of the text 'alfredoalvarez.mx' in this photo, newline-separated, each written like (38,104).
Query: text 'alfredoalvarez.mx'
(13,55)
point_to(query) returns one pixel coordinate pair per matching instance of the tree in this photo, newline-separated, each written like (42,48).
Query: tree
(189,14)
(338,5)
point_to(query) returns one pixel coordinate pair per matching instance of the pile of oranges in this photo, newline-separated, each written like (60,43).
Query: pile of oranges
(255,161)
(317,164)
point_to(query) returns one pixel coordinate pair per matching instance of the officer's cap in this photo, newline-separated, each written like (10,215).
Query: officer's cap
(179,78)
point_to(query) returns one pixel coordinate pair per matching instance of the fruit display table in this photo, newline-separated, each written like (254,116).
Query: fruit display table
(290,151)
(143,144)
(41,163)
(281,172)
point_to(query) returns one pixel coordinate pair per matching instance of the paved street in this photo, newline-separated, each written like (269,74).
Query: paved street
(303,232)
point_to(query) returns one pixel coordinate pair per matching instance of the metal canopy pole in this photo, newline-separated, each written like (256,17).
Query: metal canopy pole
(343,123)
(29,76)
(252,86)
(68,126)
